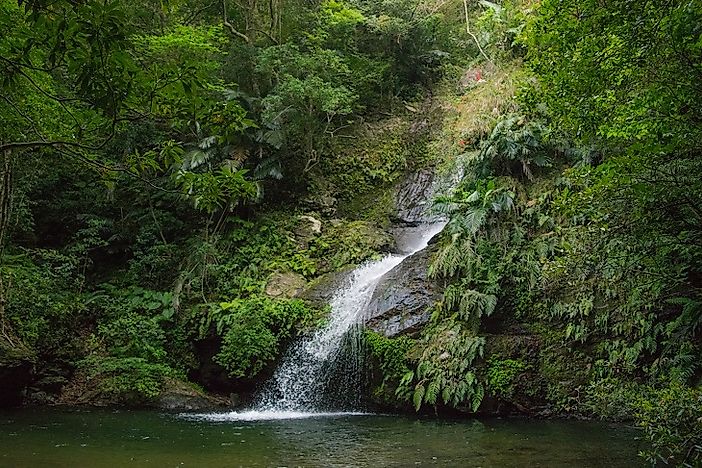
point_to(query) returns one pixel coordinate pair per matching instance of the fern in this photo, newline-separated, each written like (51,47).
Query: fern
(445,368)
(418,396)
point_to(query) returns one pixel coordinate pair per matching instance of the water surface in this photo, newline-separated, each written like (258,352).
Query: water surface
(72,438)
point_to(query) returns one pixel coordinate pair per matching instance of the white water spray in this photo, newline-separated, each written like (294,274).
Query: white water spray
(302,381)
(320,374)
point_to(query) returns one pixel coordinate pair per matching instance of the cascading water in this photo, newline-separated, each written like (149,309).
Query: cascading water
(303,380)
(307,382)
(320,375)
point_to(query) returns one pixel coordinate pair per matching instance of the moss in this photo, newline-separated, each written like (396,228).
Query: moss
(511,370)
(349,243)
(390,363)
(502,375)
(375,205)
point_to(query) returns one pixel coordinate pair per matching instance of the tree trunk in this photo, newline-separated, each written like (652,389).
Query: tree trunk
(5,196)
(5,213)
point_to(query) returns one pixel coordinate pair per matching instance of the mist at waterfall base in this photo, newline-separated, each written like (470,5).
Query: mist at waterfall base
(322,375)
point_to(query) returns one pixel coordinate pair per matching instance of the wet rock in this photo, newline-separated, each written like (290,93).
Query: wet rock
(51,383)
(181,396)
(46,389)
(41,398)
(321,291)
(402,300)
(235,400)
(413,198)
(285,285)
(406,237)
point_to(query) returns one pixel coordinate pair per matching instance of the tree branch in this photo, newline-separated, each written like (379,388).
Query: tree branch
(231,27)
(477,42)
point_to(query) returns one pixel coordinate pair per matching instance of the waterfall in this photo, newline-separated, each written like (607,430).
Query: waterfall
(306,380)
(320,375)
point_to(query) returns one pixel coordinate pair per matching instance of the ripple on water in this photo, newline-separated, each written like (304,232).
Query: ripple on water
(265,415)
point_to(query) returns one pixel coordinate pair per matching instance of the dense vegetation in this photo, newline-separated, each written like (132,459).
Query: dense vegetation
(572,256)
(166,167)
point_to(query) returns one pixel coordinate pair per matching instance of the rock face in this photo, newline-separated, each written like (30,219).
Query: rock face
(413,199)
(402,300)
(285,285)
(321,291)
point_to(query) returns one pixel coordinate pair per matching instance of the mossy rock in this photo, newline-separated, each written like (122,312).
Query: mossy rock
(184,396)
(511,369)
(321,291)
(350,243)
(285,285)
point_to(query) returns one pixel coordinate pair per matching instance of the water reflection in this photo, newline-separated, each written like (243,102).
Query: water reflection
(108,439)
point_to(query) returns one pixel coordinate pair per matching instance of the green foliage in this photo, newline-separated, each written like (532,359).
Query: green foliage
(128,358)
(241,261)
(252,330)
(600,259)
(446,355)
(220,190)
(668,415)
(630,296)
(500,26)
(186,60)
(392,355)
(134,336)
(129,381)
(377,157)
(474,209)
(514,148)
(605,71)
(502,374)
(43,302)
(670,418)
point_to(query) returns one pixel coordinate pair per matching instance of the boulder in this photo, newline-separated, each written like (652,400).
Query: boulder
(181,396)
(402,301)
(307,228)
(285,285)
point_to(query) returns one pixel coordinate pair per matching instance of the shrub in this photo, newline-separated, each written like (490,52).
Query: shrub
(252,329)
(131,381)
(671,419)
(502,374)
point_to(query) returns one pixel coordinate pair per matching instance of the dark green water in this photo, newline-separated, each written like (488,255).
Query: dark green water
(63,438)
